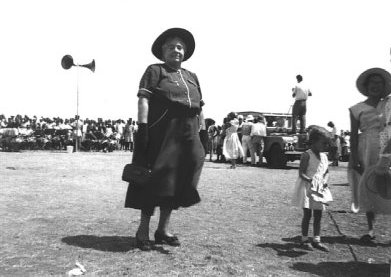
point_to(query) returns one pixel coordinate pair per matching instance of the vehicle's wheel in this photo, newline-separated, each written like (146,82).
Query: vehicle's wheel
(277,158)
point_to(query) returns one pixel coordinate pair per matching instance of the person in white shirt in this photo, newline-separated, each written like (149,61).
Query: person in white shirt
(300,93)
(77,126)
(258,133)
(246,139)
(3,123)
(119,128)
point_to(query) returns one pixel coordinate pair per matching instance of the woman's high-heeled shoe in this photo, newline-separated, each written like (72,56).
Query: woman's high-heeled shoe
(143,245)
(170,240)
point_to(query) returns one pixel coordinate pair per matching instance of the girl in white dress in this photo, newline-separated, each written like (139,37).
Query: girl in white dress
(311,191)
(232,148)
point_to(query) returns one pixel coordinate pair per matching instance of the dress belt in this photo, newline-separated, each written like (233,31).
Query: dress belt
(174,113)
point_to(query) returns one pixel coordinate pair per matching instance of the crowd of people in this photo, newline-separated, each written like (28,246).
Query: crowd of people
(44,133)
(239,136)
(33,133)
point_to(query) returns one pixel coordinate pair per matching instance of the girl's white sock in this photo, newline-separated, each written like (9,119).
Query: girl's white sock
(317,239)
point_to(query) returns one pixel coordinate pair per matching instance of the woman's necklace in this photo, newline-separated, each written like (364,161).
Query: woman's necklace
(175,68)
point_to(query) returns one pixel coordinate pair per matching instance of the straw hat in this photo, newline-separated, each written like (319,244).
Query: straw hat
(378,184)
(183,34)
(361,80)
(249,118)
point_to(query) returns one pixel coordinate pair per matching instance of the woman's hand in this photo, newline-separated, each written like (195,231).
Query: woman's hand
(141,146)
(141,137)
(358,167)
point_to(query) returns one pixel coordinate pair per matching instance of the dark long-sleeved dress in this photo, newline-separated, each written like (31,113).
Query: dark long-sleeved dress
(175,153)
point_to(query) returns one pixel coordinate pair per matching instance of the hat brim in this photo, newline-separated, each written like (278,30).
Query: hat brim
(183,34)
(378,184)
(360,83)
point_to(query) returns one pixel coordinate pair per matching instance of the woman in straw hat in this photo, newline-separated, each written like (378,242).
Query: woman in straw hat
(167,141)
(367,122)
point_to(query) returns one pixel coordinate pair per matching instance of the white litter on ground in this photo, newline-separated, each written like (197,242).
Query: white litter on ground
(79,270)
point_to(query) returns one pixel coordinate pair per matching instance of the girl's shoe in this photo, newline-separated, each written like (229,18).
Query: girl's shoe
(143,245)
(306,245)
(368,239)
(170,240)
(320,246)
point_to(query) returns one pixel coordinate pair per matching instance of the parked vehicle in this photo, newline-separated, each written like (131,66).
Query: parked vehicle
(281,145)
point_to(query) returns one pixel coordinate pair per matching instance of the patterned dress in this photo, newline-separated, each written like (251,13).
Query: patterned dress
(384,108)
(316,170)
(371,124)
(368,199)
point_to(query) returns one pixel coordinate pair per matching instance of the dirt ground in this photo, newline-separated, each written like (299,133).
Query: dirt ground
(58,208)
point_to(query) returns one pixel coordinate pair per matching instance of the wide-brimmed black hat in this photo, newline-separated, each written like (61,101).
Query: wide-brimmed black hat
(362,79)
(183,34)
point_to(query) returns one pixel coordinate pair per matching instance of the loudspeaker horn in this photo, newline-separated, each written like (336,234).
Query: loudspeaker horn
(90,66)
(67,63)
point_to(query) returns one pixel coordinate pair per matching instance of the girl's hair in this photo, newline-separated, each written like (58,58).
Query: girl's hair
(316,133)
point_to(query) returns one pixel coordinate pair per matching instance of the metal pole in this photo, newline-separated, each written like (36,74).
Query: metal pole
(77,111)
(291,117)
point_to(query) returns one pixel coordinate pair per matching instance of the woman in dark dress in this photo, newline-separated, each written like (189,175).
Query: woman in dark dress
(167,141)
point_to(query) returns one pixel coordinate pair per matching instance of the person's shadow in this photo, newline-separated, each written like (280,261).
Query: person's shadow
(349,269)
(291,249)
(341,240)
(107,243)
(291,246)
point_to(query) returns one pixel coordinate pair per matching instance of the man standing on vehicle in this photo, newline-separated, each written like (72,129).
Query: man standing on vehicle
(300,93)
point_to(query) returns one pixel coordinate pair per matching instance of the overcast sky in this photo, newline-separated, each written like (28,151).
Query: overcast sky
(247,53)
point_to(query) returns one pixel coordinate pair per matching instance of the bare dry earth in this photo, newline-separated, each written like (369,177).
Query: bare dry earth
(56,208)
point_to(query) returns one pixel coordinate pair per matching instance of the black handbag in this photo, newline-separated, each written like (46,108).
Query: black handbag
(137,175)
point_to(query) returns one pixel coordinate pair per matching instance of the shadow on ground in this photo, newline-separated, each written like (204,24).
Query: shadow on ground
(356,269)
(291,250)
(107,243)
(340,240)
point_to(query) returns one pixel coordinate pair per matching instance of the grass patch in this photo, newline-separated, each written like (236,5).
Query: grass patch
(56,208)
